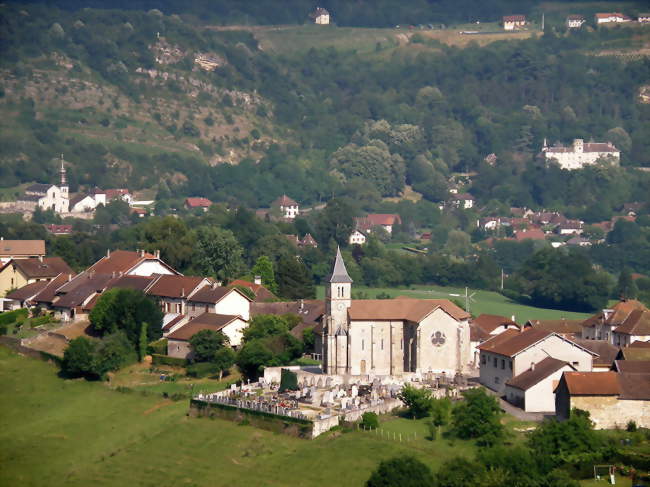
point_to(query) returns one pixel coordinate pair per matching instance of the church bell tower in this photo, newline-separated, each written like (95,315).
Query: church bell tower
(338,299)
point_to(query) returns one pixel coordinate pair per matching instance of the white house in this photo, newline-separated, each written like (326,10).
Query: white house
(532,390)
(219,300)
(357,238)
(636,327)
(514,22)
(580,154)
(575,21)
(82,203)
(511,353)
(644,18)
(320,16)
(602,326)
(289,208)
(178,341)
(611,17)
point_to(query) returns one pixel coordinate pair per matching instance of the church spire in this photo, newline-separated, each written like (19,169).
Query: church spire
(339,273)
(62,172)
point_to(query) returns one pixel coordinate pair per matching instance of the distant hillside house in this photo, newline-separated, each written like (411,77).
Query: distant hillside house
(20,249)
(580,154)
(611,17)
(463,200)
(193,203)
(357,238)
(644,18)
(82,203)
(289,208)
(575,21)
(320,16)
(384,220)
(514,22)
(55,229)
(46,196)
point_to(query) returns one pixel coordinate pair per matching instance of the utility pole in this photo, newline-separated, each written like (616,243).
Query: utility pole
(542,22)
(502,278)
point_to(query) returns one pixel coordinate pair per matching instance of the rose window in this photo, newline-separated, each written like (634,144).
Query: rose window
(438,339)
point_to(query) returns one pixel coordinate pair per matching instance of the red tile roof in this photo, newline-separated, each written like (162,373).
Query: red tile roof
(592,383)
(58,229)
(206,321)
(514,18)
(402,309)
(212,295)
(639,344)
(261,293)
(532,234)
(636,323)
(534,375)
(122,261)
(198,202)
(48,267)
(561,326)
(488,323)
(27,291)
(175,286)
(17,248)
(633,366)
(284,200)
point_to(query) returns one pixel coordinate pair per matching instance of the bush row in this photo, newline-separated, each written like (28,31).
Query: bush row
(12,316)
(159,359)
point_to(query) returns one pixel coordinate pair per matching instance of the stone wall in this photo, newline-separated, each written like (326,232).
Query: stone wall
(609,412)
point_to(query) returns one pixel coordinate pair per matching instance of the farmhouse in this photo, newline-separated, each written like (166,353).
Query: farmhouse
(514,22)
(567,328)
(581,154)
(511,353)
(390,337)
(194,203)
(387,221)
(601,326)
(611,398)
(636,327)
(178,340)
(357,237)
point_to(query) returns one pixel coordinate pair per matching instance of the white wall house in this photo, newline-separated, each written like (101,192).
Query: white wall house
(357,238)
(321,16)
(514,22)
(611,18)
(581,154)
(575,21)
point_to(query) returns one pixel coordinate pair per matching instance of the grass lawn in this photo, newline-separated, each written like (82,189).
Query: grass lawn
(484,301)
(79,433)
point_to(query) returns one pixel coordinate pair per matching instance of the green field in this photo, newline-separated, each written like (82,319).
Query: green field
(73,432)
(483,301)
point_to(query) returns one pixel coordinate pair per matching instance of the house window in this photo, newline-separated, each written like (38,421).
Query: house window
(503,364)
(363,344)
(193,307)
(495,362)
(483,360)
(510,364)
(575,364)
(207,308)
(382,343)
(496,380)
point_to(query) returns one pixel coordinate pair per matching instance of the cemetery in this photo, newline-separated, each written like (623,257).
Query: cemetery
(314,403)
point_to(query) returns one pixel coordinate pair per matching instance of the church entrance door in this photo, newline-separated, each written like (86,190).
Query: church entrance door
(363,367)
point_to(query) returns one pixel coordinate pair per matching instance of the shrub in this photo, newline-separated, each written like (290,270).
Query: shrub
(370,420)
(202,369)
(158,347)
(157,359)
(631,426)
(288,381)
(12,316)
(404,471)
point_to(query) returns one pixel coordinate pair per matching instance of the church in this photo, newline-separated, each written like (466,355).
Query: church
(393,337)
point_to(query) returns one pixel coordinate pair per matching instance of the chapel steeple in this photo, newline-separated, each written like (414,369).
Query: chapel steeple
(338,294)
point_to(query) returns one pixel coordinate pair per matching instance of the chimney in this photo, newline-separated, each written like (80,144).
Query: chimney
(40,258)
(182,292)
(258,280)
(214,284)
(532,366)
(108,253)
(141,252)
(513,318)
(113,274)
(69,277)
(301,306)
(157,254)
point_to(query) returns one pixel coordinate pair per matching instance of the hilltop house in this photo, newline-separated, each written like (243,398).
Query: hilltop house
(575,21)
(581,154)
(514,22)
(357,237)
(611,17)
(320,16)
(289,208)
(194,203)
(384,220)
(644,18)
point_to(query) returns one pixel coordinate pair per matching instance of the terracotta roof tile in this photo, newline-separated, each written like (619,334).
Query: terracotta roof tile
(47,267)
(639,344)
(605,350)
(175,286)
(634,386)
(118,261)
(562,326)
(16,248)
(284,200)
(632,367)
(198,202)
(261,292)
(48,293)
(172,322)
(27,291)
(206,321)
(635,353)
(497,341)
(209,294)
(489,323)
(636,323)
(402,309)
(592,383)
(533,376)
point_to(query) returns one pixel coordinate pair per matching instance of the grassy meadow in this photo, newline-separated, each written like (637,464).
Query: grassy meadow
(483,301)
(79,433)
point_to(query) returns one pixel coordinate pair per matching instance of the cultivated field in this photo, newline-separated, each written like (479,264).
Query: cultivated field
(483,301)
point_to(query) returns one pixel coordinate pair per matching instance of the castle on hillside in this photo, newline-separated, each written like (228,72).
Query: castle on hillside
(581,154)
(388,337)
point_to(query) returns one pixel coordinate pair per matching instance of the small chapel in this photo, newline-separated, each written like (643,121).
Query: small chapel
(390,337)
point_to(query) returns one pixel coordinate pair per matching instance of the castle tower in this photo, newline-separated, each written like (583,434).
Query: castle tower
(338,299)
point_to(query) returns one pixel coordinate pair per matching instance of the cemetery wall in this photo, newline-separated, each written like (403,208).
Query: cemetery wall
(386,407)
(259,419)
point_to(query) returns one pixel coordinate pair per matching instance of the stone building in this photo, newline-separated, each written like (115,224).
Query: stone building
(46,196)
(581,154)
(390,337)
